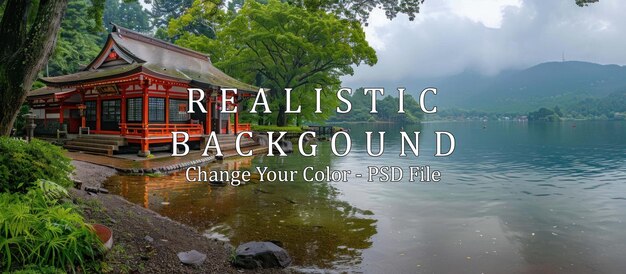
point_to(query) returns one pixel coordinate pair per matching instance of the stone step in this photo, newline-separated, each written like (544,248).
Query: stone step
(226,145)
(226,137)
(256,149)
(94,150)
(102,136)
(84,143)
(115,142)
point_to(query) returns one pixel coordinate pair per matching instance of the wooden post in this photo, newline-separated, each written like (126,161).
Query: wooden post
(61,115)
(123,106)
(145,143)
(237,120)
(83,119)
(209,120)
(98,113)
(167,106)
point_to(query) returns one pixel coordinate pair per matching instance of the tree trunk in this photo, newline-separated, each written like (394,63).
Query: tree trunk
(23,52)
(281,119)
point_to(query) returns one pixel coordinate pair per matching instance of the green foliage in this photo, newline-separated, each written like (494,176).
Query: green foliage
(277,46)
(129,15)
(387,108)
(41,234)
(290,129)
(164,10)
(609,107)
(20,121)
(202,19)
(23,163)
(359,10)
(544,114)
(78,41)
(34,269)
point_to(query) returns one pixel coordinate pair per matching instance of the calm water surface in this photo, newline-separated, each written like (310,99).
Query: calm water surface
(514,198)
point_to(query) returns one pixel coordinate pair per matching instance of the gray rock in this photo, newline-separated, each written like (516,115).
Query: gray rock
(253,255)
(148,238)
(262,140)
(91,189)
(192,257)
(287,146)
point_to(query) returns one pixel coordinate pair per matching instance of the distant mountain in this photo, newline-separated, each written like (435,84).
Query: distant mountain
(544,85)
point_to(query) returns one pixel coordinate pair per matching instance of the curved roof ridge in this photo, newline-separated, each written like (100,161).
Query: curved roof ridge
(127,33)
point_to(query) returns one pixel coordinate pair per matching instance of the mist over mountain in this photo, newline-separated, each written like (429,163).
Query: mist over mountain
(549,84)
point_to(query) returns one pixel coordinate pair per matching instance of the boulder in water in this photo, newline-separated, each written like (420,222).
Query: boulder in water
(253,255)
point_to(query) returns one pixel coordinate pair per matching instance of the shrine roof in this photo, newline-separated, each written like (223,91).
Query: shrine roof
(127,52)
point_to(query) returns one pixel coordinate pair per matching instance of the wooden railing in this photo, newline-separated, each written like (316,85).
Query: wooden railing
(159,130)
(240,127)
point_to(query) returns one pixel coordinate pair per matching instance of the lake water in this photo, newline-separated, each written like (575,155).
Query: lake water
(514,198)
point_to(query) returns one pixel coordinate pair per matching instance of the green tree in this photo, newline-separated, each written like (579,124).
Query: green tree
(280,46)
(544,114)
(164,10)
(129,15)
(78,41)
(28,30)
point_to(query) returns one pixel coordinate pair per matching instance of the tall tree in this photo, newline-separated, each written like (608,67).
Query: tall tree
(29,30)
(164,10)
(200,19)
(129,15)
(290,47)
(24,49)
(78,40)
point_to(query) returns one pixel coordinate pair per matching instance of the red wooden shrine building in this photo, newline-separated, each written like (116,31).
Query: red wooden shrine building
(136,88)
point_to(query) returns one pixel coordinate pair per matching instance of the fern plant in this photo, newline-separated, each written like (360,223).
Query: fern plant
(36,229)
(23,163)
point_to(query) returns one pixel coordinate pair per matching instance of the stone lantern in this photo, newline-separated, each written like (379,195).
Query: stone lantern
(30,125)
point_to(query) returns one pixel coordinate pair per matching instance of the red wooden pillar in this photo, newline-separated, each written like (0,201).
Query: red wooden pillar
(167,106)
(209,109)
(61,114)
(123,106)
(83,119)
(237,119)
(145,143)
(98,113)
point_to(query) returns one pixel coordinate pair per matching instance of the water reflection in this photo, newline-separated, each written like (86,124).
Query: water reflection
(315,227)
(514,198)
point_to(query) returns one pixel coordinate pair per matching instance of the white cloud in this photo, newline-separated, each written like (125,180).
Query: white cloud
(452,36)
(487,12)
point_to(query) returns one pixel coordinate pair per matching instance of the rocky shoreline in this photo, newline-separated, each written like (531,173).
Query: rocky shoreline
(144,241)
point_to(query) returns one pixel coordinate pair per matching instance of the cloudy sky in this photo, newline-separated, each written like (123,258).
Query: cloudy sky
(488,36)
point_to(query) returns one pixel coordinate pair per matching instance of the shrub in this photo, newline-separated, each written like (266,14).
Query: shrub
(39,231)
(23,163)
